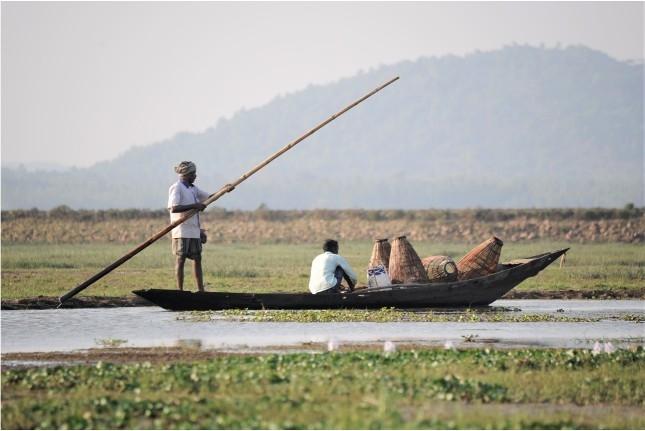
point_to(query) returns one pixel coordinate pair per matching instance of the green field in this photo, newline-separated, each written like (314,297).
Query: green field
(51,270)
(415,387)
(541,389)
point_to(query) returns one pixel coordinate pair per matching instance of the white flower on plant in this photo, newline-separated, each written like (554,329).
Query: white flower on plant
(609,348)
(597,348)
(332,345)
(449,345)
(389,347)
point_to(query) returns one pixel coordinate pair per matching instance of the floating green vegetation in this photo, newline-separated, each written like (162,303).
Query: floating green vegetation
(389,314)
(197,316)
(110,342)
(405,389)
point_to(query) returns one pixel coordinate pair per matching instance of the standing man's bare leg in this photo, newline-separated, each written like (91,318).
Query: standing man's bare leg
(199,276)
(179,272)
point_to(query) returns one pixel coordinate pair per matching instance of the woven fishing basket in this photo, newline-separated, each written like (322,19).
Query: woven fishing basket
(481,260)
(380,253)
(405,264)
(440,268)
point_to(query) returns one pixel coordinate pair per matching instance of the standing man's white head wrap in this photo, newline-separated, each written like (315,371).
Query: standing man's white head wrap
(185,168)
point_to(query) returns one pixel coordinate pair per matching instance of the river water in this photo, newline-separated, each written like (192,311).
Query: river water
(77,329)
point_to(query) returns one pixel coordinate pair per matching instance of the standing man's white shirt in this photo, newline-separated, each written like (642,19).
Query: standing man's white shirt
(180,194)
(323,270)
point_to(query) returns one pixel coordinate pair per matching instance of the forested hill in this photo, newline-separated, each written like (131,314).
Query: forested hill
(518,127)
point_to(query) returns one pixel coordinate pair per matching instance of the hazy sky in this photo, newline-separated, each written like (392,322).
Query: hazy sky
(83,82)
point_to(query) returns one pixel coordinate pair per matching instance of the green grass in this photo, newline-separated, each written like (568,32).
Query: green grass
(51,270)
(355,390)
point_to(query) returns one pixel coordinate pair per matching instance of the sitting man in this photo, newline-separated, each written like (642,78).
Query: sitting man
(329,269)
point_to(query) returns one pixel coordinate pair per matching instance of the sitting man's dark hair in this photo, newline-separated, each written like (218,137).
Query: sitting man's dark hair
(330,245)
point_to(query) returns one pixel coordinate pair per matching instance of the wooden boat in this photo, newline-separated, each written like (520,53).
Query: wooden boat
(474,292)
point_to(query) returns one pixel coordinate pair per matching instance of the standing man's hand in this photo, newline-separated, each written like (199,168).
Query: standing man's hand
(200,206)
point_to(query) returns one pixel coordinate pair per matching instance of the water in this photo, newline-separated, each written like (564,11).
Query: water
(76,329)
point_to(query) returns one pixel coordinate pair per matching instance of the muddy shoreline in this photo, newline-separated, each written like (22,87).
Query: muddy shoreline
(183,354)
(192,353)
(576,294)
(113,355)
(170,354)
(51,302)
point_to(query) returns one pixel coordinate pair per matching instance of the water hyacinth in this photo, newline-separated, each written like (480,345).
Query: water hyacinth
(385,314)
(481,389)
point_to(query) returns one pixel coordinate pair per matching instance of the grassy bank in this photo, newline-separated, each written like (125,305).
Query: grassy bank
(29,270)
(408,389)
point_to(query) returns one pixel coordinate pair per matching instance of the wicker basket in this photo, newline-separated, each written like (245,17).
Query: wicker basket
(405,264)
(440,268)
(480,261)
(380,253)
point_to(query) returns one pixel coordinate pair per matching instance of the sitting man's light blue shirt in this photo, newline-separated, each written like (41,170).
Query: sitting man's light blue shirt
(323,268)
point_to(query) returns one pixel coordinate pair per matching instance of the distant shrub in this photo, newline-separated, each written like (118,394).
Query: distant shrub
(62,211)
(484,215)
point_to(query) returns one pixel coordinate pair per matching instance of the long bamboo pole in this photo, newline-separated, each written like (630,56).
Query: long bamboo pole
(212,198)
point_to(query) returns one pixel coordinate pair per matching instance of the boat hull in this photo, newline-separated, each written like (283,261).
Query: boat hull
(476,292)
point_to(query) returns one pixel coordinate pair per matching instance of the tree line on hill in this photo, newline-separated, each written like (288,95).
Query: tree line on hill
(519,127)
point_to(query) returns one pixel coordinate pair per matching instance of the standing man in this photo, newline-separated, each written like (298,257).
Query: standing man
(187,238)
(329,269)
